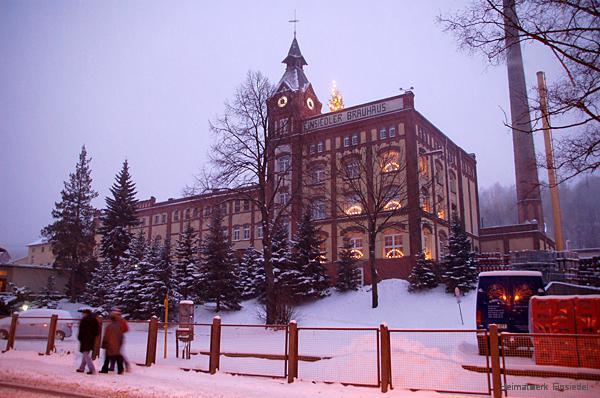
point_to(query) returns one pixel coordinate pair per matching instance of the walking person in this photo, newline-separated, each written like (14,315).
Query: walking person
(89,329)
(112,342)
(116,312)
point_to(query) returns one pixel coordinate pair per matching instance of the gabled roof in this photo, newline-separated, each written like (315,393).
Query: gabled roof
(293,78)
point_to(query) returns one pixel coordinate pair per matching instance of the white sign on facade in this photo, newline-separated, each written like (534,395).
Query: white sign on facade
(353,114)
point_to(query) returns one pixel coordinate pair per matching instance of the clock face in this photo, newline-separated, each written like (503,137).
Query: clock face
(310,103)
(282,101)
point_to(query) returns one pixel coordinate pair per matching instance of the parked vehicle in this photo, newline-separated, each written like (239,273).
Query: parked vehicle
(34,323)
(503,299)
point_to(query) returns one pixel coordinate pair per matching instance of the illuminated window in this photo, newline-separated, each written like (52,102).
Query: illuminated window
(392,198)
(393,246)
(393,205)
(424,166)
(390,161)
(236,232)
(427,244)
(352,170)
(353,205)
(356,244)
(441,208)
(425,202)
(246,231)
(318,209)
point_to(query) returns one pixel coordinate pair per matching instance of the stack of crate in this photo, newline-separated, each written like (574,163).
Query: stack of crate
(557,316)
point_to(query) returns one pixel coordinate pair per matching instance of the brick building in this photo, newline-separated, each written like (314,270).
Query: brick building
(437,177)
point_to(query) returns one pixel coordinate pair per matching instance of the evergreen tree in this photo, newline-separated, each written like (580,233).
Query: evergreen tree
(309,276)
(460,268)
(281,257)
(100,289)
(186,265)
(348,273)
(72,232)
(119,216)
(130,277)
(422,275)
(158,281)
(248,272)
(218,267)
(47,297)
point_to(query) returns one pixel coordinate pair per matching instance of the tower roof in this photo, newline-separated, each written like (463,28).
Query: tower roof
(293,78)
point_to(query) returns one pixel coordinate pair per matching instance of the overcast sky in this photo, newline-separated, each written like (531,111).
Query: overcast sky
(140,80)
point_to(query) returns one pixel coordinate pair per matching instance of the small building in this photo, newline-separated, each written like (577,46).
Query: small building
(38,253)
(33,276)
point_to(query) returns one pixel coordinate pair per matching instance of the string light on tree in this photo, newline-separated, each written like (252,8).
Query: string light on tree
(336,102)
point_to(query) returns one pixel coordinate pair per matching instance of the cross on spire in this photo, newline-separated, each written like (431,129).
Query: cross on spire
(294,21)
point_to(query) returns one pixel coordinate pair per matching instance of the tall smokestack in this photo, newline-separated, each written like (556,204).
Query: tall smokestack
(529,202)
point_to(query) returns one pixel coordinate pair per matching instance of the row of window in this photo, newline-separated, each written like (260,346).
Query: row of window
(389,133)
(392,246)
(353,139)
(319,147)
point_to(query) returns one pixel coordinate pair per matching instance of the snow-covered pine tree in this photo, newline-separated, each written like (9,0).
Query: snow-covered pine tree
(422,276)
(130,276)
(158,280)
(100,289)
(72,232)
(218,267)
(313,281)
(47,296)
(460,269)
(282,260)
(118,217)
(186,265)
(248,272)
(348,273)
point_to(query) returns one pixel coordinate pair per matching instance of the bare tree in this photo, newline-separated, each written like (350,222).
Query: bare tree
(242,163)
(370,192)
(570,31)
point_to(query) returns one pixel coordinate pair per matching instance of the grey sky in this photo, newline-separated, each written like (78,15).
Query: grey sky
(139,80)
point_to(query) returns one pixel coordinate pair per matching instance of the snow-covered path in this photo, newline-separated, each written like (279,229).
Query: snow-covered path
(58,372)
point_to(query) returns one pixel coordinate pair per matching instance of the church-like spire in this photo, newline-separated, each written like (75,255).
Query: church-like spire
(294,78)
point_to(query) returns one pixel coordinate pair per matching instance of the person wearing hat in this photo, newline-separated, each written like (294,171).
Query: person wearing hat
(112,342)
(116,312)
(89,329)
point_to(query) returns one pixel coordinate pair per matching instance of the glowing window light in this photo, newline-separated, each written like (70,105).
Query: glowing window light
(441,214)
(354,210)
(391,166)
(394,253)
(428,255)
(392,205)
(356,253)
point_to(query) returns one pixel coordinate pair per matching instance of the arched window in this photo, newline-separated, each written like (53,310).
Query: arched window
(443,242)
(393,198)
(187,213)
(352,169)
(427,243)
(452,178)
(392,245)
(353,205)
(283,164)
(425,200)
(390,161)
(355,240)
(439,173)
(424,166)
(441,207)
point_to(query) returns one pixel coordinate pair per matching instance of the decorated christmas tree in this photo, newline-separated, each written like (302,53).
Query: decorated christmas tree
(422,276)
(336,102)
(348,273)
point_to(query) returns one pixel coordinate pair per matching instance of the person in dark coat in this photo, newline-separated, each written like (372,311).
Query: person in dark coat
(89,329)
(112,342)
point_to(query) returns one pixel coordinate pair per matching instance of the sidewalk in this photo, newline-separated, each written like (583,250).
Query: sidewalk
(58,372)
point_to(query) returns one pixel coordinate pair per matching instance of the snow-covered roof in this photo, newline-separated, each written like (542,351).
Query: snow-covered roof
(186,302)
(510,273)
(40,241)
(293,79)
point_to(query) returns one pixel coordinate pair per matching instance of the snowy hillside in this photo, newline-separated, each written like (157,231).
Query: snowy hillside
(397,307)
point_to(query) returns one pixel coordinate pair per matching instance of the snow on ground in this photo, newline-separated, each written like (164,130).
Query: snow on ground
(420,360)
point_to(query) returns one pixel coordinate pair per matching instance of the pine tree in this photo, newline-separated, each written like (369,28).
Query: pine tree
(186,265)
(119,216)
(281,257)
(460,269)
(47,298)
(72,233)
(248,272)
(422,276)
(312,280)
(348,273)
(158,280)
(100,289)
(218,268)
(130,278)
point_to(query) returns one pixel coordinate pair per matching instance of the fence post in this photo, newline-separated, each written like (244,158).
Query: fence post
(98,341)
(215,345)
(51,334)
(10,342)
(292,351)
(152,338)
(386,357)
(495,353)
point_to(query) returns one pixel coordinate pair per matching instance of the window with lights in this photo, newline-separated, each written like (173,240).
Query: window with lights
(353,205)
(424,166)
(390,161)
(392,247)
(356,244)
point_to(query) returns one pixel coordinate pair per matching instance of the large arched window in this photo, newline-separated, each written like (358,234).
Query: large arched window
(392,244)
(427,243)
(452,178)
(352,169)
(441,207)
(393,198)
(390,161)
(425,200)
(443,243)
(439,173)
(353,205)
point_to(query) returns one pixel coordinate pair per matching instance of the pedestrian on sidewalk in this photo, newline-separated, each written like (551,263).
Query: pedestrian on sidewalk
(112,342)
(116,312)
(89,329)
